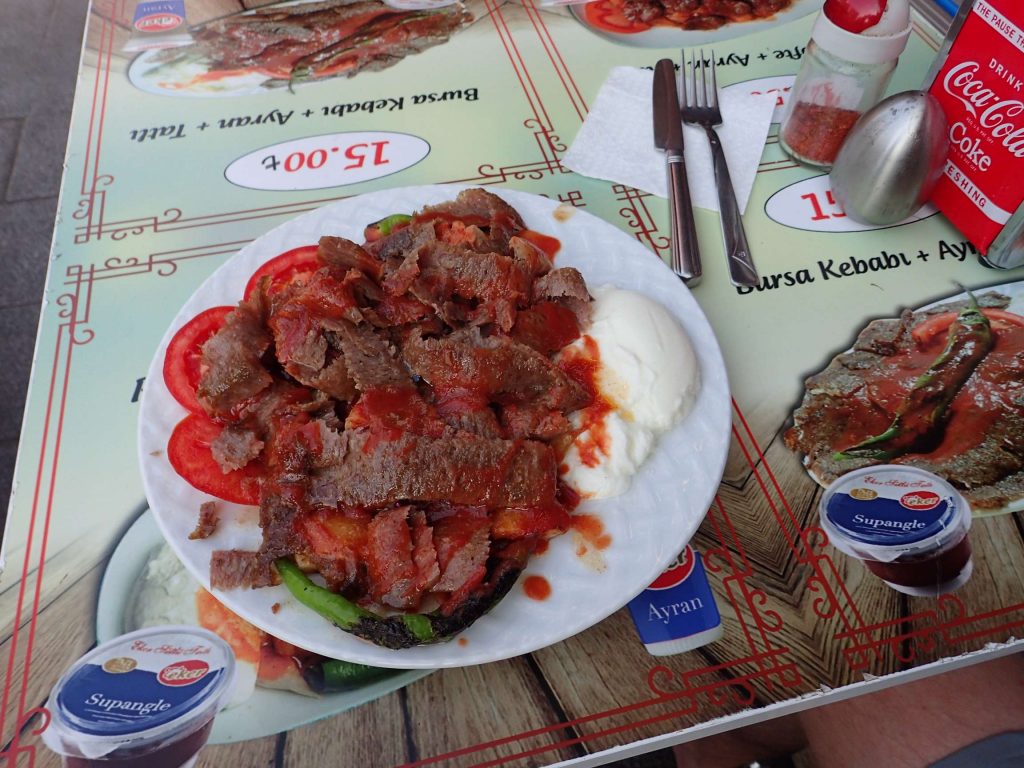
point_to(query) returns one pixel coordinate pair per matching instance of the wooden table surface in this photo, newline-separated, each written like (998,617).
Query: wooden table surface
(796,618)
(799,619)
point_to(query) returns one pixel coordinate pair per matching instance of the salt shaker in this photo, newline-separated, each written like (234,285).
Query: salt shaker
(852,53)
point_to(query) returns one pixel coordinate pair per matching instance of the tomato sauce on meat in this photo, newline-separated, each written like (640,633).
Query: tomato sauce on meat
(547,244)
(405,405)
(389,413)
(546,326)
(632,16)
(940,389)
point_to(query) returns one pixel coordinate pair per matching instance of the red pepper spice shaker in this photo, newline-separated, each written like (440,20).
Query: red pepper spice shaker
(852,53)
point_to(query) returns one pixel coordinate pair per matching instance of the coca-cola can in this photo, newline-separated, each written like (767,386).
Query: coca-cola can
(978,78)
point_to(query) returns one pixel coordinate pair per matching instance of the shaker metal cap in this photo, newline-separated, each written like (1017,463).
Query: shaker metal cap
(891,159)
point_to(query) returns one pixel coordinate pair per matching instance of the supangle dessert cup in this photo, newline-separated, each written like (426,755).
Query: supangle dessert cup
(908,526)
(142,700)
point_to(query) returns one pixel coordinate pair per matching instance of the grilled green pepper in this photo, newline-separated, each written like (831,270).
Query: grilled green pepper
(389,631)
(385,226)
(403,630)
(925,408)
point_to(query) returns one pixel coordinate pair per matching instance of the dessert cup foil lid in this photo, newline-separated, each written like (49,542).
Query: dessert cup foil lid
(890,506)
(141,686)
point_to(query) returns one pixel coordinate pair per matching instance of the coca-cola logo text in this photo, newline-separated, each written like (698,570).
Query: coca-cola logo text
(183,672)
(991,112)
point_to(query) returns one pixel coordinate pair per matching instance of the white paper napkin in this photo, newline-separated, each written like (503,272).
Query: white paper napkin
(616,141)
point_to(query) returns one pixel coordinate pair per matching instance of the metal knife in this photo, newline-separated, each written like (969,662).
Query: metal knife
(668,135)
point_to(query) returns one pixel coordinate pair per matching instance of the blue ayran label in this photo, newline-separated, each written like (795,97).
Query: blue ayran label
(678,604)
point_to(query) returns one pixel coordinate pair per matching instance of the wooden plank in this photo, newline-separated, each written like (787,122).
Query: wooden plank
(63,567)
(371,735)
(812,641)
(464,708)
(65,630)
(44,758)
(602,676)
(761,515)
(827,649)
(255,753)
(775,577)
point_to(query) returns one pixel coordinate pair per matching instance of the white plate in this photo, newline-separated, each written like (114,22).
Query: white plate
(142,73)
(674,37)
(1015,291)
(266,712)
(649,524)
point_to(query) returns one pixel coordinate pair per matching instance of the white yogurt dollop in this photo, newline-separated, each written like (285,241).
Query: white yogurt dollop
(648,372)
(166,594)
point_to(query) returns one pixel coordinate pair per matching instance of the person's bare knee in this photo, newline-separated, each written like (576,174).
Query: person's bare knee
(762,741)
(915,724)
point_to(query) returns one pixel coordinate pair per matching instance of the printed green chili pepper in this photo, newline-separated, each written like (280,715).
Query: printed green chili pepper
(332,675)
(924,410)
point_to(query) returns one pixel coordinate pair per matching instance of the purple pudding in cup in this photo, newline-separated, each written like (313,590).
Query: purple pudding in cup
(143,700)
(908,526)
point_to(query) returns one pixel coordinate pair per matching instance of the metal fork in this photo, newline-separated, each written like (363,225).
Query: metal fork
(700,107)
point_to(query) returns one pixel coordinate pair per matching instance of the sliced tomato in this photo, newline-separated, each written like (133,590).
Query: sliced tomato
(282,648)
(290,265)
(608,16)
(188,450)
(245,639)
(183,361)
(937,324)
